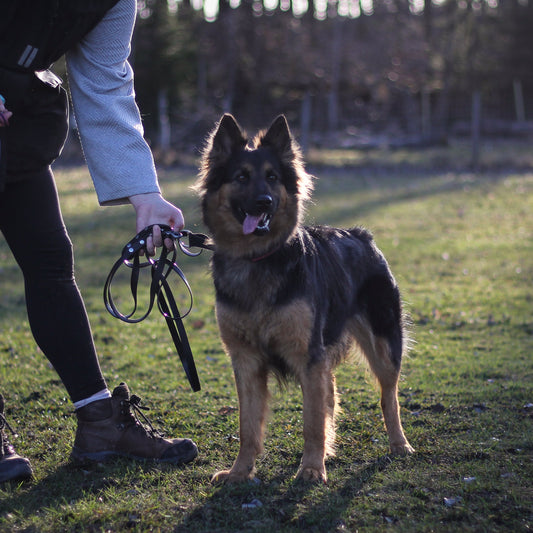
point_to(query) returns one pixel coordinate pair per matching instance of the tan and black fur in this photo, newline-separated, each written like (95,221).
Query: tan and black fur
(291,299)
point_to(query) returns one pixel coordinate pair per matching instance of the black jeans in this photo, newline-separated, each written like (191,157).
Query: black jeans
(32,224)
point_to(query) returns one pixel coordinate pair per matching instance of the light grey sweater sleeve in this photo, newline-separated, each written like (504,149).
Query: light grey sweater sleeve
(101,85)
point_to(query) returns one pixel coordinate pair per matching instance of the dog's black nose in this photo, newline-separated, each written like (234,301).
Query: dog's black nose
(263,201)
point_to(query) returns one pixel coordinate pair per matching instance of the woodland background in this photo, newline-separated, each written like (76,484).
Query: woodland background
(345,72)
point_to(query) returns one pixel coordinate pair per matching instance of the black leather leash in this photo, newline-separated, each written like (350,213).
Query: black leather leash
(160,290)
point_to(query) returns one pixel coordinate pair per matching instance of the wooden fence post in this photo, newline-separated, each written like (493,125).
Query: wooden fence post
(476,129)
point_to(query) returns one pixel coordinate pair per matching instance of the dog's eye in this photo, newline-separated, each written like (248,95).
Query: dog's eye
(241,177)
(272,177)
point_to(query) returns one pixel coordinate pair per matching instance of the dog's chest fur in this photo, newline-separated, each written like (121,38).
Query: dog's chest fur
(245,284)
(290,306)
(279,336)
(262,307)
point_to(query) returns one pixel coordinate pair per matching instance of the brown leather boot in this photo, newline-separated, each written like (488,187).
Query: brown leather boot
(13,467)
(109,428)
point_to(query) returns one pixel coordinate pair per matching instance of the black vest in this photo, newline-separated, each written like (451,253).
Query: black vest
(33,35)
(36,33)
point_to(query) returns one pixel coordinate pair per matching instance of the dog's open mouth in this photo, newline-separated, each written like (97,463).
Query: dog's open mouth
(258,224)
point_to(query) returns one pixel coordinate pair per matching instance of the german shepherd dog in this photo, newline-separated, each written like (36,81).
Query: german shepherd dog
(291,299)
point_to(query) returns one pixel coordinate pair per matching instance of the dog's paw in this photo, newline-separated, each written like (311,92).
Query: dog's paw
(402,449)
(312,475)
(229,476)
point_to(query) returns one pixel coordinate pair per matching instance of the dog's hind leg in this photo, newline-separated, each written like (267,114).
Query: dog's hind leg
(388,376)
(319,403)
(386,367)
(252,389)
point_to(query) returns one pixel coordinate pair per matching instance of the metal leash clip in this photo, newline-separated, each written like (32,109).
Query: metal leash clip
(196,240)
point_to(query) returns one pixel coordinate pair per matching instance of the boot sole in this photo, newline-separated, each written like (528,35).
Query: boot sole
(102,457)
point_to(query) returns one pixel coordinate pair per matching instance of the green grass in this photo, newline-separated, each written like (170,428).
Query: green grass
(461,246)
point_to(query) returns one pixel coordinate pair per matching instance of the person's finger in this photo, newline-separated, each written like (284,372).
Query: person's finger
(156,235)
(150,246)
(169,244)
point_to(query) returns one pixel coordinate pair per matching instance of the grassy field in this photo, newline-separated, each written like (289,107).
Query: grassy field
(461,246)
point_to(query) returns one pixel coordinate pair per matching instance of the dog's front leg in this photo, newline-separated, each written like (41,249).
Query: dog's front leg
(318,388)
(251,381)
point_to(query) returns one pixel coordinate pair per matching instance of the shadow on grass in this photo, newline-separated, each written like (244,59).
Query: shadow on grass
(282,505)
(72,483)
(63,485)
(285,505)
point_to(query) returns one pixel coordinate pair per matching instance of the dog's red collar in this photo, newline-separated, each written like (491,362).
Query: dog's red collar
(261,257)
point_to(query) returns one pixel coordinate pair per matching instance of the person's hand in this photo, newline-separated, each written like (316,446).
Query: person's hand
(5,114)
(152,208)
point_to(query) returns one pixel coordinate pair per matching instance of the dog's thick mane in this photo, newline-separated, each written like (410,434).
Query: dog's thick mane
(227,137)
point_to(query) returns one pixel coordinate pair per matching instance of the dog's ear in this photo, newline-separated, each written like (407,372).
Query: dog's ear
(279,137)
(227,136)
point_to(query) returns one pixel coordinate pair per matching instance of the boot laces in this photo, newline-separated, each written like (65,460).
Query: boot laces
(4,441)
(137,409)
(5,424)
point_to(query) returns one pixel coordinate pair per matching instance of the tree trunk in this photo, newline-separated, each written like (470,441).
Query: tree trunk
(164,123)
(519,101)
(305,122)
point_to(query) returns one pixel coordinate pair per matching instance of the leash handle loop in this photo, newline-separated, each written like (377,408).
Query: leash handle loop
(160,290)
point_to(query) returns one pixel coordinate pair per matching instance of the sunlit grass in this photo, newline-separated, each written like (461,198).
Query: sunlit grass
(461,246)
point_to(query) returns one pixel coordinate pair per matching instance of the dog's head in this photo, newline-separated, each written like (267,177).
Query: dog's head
(252,193)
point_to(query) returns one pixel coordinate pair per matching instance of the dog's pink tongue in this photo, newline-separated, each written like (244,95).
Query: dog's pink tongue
(250,224)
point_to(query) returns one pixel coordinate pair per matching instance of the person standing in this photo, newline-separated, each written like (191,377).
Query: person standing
(95,37)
